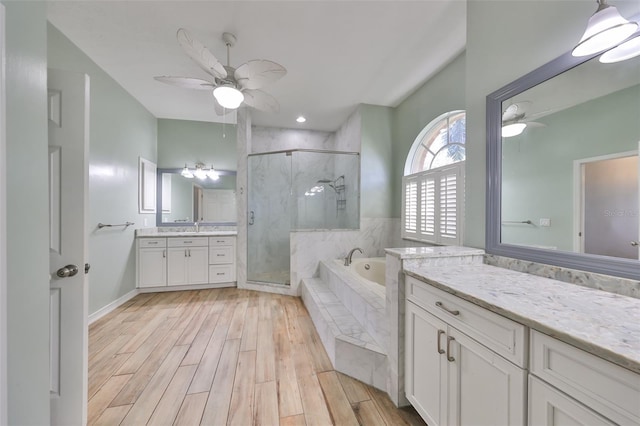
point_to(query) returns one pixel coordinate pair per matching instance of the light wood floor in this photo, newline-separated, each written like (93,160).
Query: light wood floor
(222,356)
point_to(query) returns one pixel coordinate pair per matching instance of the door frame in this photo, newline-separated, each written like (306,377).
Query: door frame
(578,194)
(3,225)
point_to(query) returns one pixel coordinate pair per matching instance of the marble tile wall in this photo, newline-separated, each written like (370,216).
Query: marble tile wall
(349,136)
(267,139)
(243,140)
(622,286)
(308,248)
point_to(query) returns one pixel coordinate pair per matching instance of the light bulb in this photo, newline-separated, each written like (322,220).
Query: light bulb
(627,50)
(186,172)
(213,175)
(513,129)
(228,97)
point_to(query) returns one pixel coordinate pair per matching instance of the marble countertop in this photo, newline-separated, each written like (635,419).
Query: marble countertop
(435,251)
(158,234)
(602,323)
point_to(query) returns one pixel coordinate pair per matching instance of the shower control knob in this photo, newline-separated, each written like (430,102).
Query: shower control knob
(635,243)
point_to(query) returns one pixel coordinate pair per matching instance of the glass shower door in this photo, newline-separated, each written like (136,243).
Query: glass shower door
(269,218)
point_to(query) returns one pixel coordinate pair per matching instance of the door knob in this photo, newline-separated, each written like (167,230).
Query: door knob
(635,243)
(67,271)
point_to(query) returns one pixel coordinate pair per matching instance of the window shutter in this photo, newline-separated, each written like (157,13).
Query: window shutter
(449,205)
(411,207)
(428,207)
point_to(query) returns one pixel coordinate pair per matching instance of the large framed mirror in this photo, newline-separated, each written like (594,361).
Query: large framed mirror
(562,166)
(181,200)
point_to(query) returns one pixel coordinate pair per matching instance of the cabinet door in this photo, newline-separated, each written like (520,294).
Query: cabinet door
(152,267)
(425,369)
(550,407)
(198,265)
(177,266)
(484,388)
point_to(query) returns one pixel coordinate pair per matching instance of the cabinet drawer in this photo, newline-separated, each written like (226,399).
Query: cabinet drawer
(221,273)
(601,385)
(188,242)
(221,254)
(221,241)
(502,335)
(152,242)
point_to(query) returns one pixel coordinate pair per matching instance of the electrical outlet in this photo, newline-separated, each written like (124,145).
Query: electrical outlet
(545,221)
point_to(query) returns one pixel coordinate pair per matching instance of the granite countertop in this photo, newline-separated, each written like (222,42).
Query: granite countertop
(602,323)
(431,252)
(158,234)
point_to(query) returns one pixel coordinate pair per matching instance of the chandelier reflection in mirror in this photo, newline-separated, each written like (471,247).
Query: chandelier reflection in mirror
(200,172)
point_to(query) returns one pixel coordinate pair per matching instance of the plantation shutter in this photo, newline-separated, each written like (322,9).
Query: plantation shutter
(433,203)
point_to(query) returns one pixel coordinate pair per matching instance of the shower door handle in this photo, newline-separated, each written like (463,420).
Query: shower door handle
(251,217)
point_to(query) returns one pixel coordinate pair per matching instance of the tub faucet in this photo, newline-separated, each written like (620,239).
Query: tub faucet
(347,260)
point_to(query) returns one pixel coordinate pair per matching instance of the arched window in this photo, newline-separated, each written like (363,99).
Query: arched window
(440,143)
(433,182)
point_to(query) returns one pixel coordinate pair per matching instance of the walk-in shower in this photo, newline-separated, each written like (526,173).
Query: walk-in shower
(297,190)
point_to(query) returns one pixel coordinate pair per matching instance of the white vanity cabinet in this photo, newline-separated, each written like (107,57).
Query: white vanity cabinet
(570,386)
(463,364)
(222,259)
(152,262)
(187,261)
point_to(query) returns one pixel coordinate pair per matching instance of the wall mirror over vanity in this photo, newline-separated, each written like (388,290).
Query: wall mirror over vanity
(562,166)
(184,198)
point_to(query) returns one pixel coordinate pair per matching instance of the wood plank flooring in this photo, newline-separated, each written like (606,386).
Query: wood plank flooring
(222,357)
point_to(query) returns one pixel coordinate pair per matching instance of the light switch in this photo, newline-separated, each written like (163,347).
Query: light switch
(545,221)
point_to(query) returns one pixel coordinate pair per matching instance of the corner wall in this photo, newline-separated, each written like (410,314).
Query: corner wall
(27,214)
(121,130)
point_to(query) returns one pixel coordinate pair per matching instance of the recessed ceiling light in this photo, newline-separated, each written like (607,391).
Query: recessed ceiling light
(301,119)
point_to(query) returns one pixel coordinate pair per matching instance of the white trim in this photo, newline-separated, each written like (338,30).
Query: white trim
(185,287)
(578,193)
(112,306)
(3,226)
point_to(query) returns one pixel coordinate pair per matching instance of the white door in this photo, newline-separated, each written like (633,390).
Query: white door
(68,196)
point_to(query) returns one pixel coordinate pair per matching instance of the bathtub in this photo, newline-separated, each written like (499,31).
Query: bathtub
(371,269)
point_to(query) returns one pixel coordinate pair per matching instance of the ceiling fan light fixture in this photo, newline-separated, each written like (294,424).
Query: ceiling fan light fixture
(228,97)
(605,29)
(627,50)
(513,129)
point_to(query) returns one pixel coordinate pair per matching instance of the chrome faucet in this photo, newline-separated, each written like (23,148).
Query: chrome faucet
(347,260)
(197,225)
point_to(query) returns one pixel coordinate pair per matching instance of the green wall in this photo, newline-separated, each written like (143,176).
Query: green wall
(529,194)
(27,214)
(506,40)
(376,185)
(121,130)
(183,141)
(443,92)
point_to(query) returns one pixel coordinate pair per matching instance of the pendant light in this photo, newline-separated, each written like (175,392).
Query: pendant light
(186,172)
(605,29)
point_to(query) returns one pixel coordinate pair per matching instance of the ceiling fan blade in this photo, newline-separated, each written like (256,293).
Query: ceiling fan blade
(186,82)
(260,100)
(535,124)
(258,73)
(200,54)
(516,110)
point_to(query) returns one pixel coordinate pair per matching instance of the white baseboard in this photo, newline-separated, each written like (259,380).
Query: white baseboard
(185,287)
(112,306)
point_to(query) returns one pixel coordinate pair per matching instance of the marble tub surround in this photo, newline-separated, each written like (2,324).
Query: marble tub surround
(204,231)
(351,349)
(602,323)
(621,286)
(397,259)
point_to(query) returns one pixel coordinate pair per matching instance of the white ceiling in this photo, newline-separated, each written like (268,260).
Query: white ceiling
(338,53)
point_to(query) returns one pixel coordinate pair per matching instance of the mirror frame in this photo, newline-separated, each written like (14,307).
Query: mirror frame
(159,222)
(619,267)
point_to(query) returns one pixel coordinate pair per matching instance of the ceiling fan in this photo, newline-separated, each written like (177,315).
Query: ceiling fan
(231,86)
(514,119)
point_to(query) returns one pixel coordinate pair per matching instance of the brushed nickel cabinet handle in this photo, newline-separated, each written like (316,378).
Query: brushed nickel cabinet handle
(440,333)
(451,311)
(449,357)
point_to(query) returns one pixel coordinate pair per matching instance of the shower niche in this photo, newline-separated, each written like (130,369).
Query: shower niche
(296,190)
